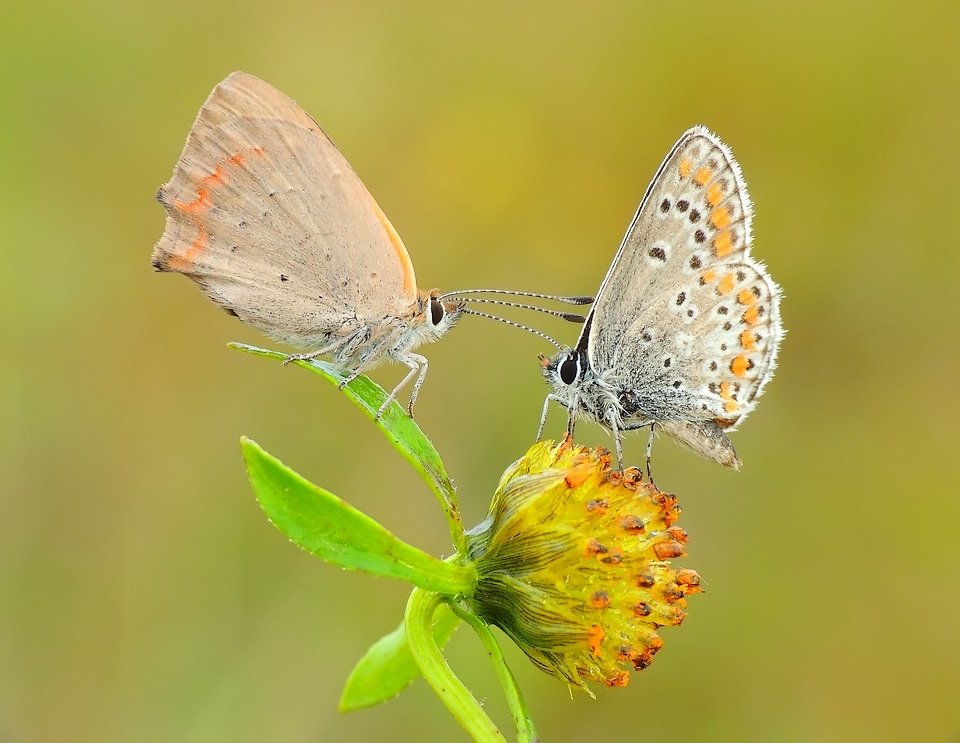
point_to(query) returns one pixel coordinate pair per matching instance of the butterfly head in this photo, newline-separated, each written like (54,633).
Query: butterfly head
(564,371)
(436,315)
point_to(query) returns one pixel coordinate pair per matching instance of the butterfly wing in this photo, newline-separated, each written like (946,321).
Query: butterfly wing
(685,317)
(267,216)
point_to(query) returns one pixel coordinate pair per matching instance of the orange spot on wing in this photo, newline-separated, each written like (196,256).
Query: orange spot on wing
(752,314)
(702,176)
(745,296)
(714,194)
(708,276)
(726,394)
(217,178)
(723,244)
(187,260)
(198,204)
(720,217)
(237,159)
(726,284)
(739,365)
(748,340)
(258,151)
(686,167)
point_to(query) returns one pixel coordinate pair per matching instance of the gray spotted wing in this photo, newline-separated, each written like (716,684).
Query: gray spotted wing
(686,320)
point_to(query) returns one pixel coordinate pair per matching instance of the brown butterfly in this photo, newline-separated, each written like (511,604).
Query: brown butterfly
(270,220)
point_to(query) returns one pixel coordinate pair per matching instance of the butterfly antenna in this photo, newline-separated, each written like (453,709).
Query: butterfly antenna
(531,295)
(568,316)
(546,337)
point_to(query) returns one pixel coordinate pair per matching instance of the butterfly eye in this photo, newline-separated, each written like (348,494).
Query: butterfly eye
(570,369)
(436,311)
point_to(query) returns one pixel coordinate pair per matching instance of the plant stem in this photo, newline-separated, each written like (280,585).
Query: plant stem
(526,732)
(438,674)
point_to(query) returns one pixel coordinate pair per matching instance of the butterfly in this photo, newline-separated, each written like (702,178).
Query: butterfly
(685,330)
(266,215)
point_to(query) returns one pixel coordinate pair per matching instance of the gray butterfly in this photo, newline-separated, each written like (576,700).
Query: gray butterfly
(686,326)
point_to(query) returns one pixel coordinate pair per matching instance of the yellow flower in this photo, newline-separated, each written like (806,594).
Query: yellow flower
(574,565)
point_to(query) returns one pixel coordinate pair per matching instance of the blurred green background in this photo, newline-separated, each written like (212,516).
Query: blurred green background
(143,596)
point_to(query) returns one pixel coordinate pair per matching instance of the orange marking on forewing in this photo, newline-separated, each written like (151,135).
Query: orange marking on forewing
(739,365)
(202,202)
(723,244)
(187,260)
(708,275)
(752,314)
(714,194)
(217,178)
(720,217)
(237,159)
(686,167)
(726,284)
(748,340)
(702,176)
(258,151)
(198,204)
(406,265)
(745,296)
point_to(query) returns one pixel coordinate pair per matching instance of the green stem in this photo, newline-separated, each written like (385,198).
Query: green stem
(438,674)
(526,732)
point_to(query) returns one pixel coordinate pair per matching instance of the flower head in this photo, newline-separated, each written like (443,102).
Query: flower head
(574,565)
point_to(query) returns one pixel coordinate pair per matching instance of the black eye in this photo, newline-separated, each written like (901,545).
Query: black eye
(569,370)
(436,311)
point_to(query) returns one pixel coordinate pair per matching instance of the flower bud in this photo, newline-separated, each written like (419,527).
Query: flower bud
(573,563)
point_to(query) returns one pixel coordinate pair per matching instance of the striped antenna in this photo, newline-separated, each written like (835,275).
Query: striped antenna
(546,337)
(568,316)
(531,295)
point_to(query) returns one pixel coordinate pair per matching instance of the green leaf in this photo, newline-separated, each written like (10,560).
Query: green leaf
(402,431)
(388,667)
(330,528)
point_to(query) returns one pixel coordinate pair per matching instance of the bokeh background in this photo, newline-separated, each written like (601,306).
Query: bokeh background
(143,595)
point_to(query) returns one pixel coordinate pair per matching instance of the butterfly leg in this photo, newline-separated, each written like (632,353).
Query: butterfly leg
(422,361)
(571,421)
(612,423)
(546,409)
(313,354)
(367,360)
(650,452)
(417,365)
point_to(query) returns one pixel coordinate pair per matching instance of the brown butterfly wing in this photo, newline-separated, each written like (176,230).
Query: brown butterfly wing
(267,216)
